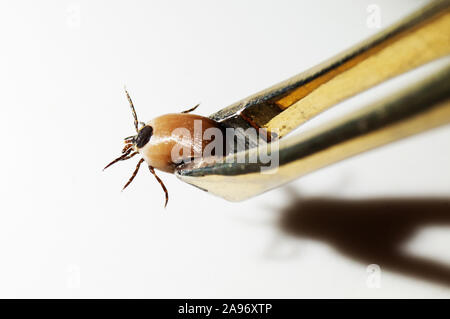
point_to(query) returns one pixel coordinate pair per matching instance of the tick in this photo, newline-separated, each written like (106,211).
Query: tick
(155,140)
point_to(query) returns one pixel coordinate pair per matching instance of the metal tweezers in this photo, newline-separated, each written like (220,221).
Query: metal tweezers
(418,39)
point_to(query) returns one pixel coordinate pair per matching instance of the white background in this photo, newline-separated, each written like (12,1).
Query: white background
(66,230)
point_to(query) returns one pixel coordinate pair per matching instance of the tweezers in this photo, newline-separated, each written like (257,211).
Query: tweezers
(418,39)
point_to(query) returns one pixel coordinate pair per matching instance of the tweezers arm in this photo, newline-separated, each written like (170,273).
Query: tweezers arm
(417,108)
(415,40)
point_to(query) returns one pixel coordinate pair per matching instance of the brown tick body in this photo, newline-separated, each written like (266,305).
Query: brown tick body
(157,152)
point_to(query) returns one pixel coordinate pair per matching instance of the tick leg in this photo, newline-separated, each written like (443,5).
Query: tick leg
(152,170)
(134,173)
(190,110)
(130,156)
(127,147)
(185,161)
(124,157)
(132,110)
(120,158)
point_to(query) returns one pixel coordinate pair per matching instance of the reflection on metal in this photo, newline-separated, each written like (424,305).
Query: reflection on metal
(422,37)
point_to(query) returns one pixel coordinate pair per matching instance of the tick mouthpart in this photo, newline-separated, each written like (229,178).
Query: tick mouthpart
(143,136)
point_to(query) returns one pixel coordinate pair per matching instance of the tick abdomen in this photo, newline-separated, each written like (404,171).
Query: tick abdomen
(178,131)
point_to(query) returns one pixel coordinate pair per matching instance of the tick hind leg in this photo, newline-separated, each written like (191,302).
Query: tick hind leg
(134,173)
(192,109)
(152,170)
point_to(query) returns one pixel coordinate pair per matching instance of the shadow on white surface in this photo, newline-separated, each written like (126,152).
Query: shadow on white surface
(372,231)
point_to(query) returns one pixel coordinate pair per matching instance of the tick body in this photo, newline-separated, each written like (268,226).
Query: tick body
(157,139)
(158,151)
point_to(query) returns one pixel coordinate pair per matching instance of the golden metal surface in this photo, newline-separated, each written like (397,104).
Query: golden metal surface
(415,109)
(422,37)
(409,49)
(415,40)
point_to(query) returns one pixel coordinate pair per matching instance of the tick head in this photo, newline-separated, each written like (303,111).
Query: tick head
(143,136)
(134,143)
